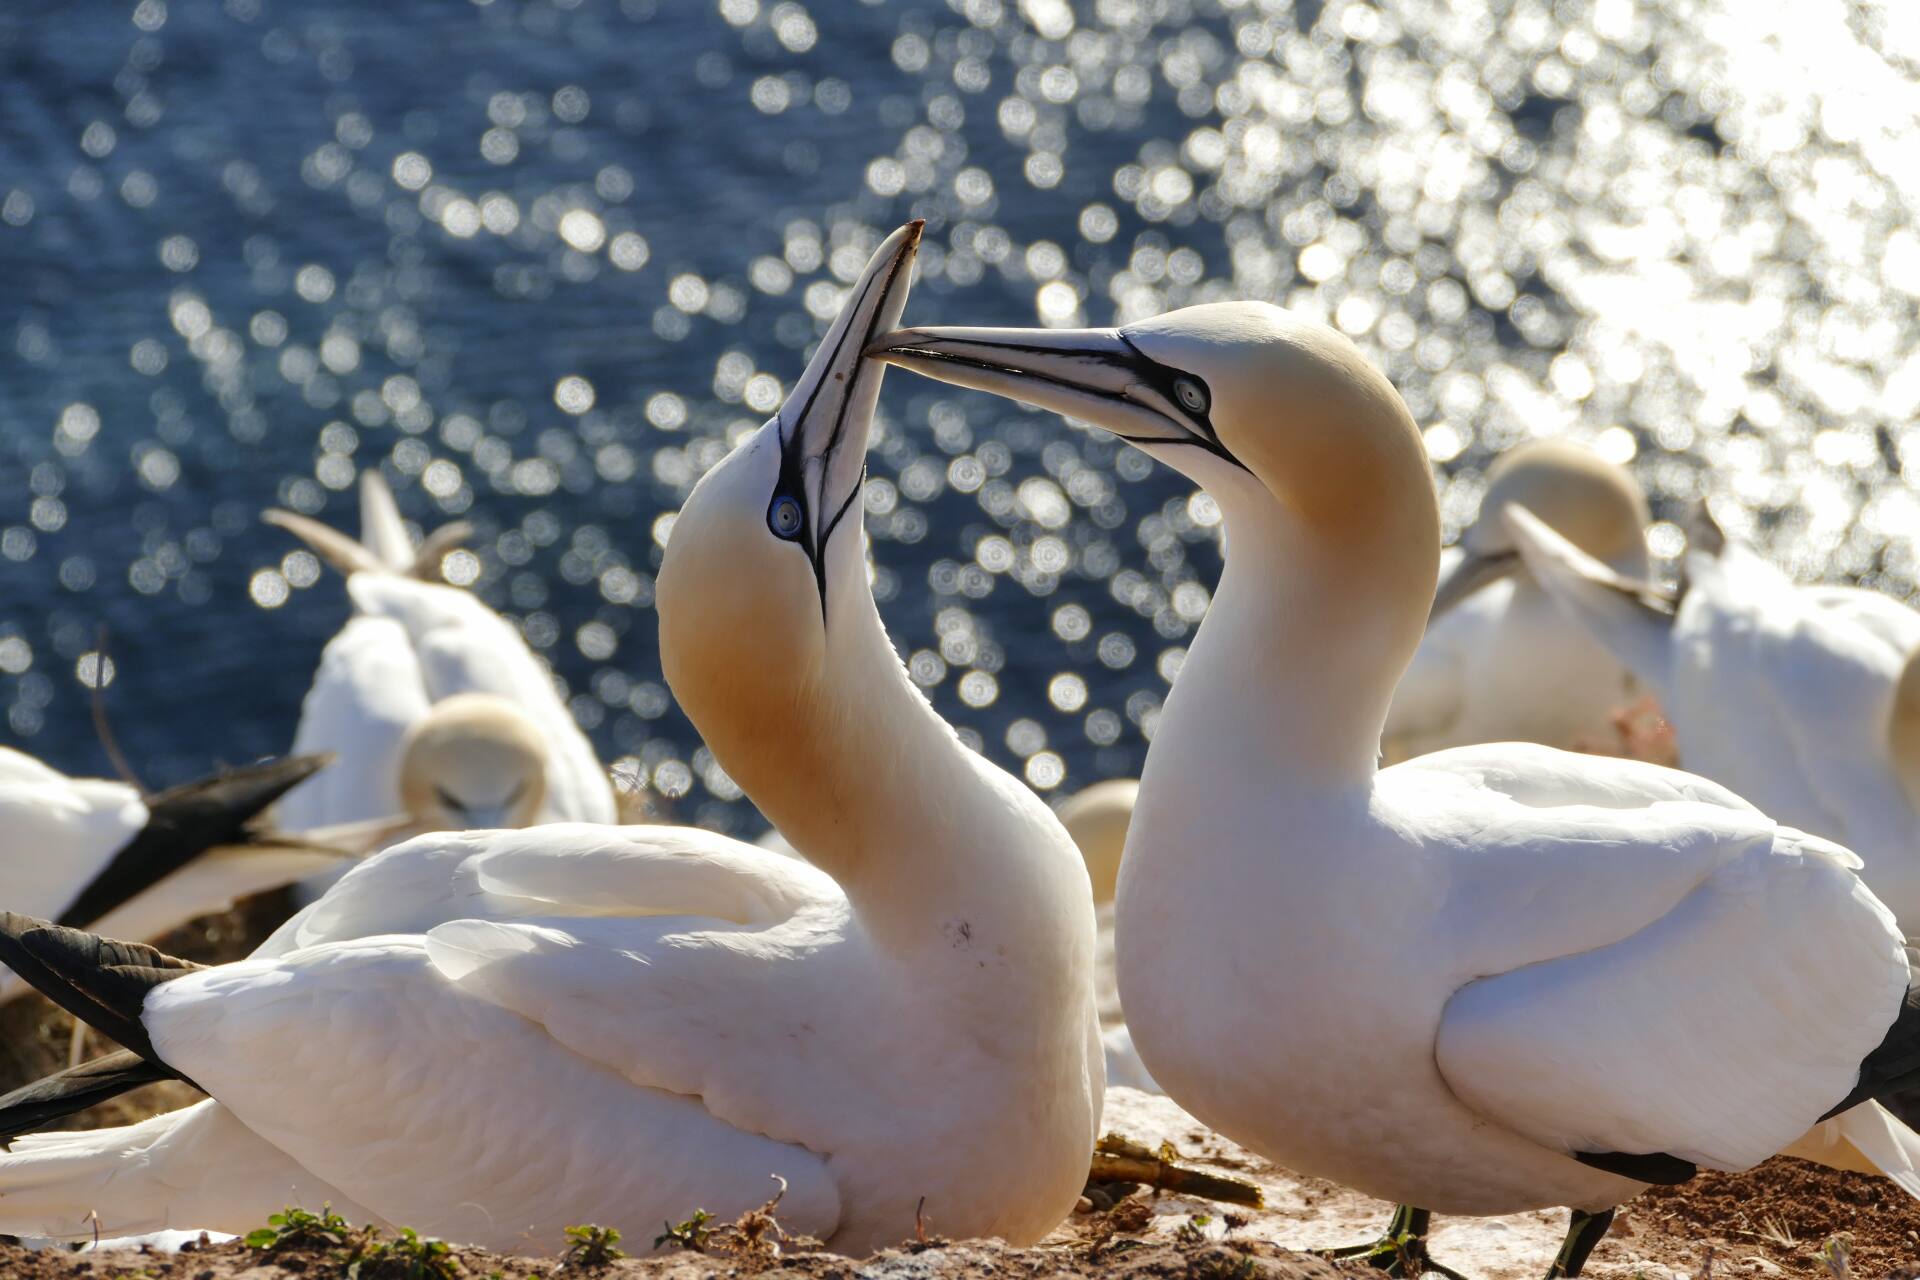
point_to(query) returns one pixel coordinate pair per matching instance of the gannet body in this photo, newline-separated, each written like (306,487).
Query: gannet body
(1805,700)
(88,851)
(1493,978)
(411,645)
(521,1030)
(1500,661)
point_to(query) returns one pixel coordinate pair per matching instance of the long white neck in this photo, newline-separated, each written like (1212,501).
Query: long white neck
(927,838)
(1285,689)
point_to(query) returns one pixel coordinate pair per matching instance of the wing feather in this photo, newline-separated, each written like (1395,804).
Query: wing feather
(457,1115)
(560,869)
(1651,964)
(1718,1033)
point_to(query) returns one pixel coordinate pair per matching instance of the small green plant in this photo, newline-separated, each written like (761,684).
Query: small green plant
(1193,1230)
(408,1256)
(692,1234)
(366,1256)
(295,1227)
(592,1246)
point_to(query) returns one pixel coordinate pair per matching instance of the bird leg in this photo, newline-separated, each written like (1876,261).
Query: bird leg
(1402,1251)
(1583,1233)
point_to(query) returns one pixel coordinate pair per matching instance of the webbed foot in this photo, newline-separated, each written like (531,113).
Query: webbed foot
(1402,1251)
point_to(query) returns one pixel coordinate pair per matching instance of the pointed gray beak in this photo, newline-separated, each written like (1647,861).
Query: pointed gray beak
(825,421)
(1473,571)
(1095,376)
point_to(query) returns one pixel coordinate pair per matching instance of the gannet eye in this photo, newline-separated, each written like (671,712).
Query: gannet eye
(446,799)
(783,517)
(1191,394)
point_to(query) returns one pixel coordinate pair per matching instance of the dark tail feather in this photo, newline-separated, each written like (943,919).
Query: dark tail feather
(186,821)
(99,981)
(33,1106)
(1894,1067)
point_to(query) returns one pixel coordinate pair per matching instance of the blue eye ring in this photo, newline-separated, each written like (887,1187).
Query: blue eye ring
(785,517)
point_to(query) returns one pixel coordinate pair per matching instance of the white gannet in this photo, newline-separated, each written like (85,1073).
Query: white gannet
(1501,662)
(410,645)
(1491,979)
(1801,699)
(1096,818)
(97,853)
(488,1036)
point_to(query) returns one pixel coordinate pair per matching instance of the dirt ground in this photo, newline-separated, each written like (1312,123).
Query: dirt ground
(1786,1219)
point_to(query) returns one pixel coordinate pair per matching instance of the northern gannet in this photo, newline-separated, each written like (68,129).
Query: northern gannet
(1501,662)
(1490,979)
(97,853)
(411,645)
(1096,818)
(1804,700)
(490,1035)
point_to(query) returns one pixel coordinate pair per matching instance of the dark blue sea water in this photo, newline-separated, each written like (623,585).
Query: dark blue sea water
(528,257)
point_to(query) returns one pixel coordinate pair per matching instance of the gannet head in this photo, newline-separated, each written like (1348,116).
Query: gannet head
(475,761)
(1254,403)
(1591,502)
(765,563)
(1097,819)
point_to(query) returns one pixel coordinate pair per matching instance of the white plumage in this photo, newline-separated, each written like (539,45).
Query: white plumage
(1441,982)
(60,832)
(1500,662)
(410,645)
(1789,695)
(62,841)
(490,1035)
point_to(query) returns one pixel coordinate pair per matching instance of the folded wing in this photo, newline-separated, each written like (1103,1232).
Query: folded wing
(1665,971)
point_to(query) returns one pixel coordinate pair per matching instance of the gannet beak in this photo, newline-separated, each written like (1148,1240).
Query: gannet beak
(1471,572)
(1094,375)
(826,418)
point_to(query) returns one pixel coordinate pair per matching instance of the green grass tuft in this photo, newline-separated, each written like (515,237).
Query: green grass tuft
(592,1246)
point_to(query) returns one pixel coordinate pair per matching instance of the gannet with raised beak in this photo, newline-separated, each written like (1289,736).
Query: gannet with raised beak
(93,852)
(1803,699)
(1491,979)
(379,698)
(1500,661)
(489,1036)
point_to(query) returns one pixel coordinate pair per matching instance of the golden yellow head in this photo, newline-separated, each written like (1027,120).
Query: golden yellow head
(765,563)
(474,761)
(1591,502)
(1250,400)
